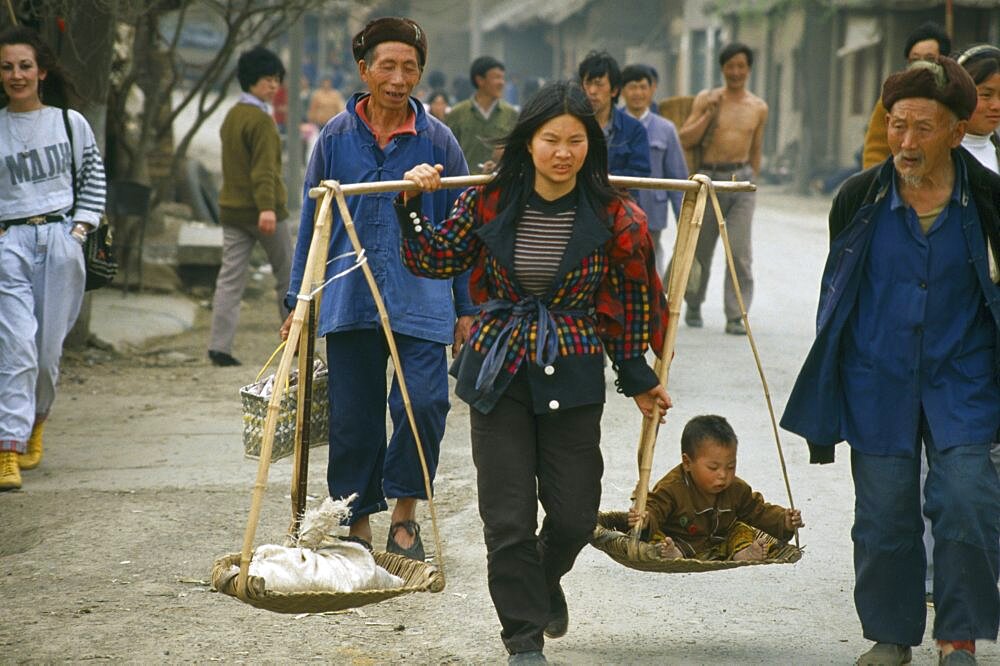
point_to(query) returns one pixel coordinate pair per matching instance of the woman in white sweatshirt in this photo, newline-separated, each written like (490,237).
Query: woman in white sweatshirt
(43,225)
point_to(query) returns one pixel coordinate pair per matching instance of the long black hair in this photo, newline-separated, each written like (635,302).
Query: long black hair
(515,179)
(58,89)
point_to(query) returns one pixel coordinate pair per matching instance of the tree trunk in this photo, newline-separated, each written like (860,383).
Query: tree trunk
(85,48)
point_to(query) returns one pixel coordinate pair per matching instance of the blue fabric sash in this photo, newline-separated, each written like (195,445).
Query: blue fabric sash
(547,339)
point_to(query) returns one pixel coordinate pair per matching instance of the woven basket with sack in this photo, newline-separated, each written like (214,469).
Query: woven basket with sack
(255,398)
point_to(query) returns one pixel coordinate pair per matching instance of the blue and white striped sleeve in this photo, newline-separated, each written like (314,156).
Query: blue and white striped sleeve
(91,188)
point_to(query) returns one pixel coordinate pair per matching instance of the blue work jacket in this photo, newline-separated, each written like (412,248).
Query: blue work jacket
(667,161)
(347,151)
(628,147)
(816,406)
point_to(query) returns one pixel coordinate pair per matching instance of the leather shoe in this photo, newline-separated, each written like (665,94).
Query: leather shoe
(693,316)
(531,657)
(559,622)
(222,359)
(414,552)
(886,654)
(735,327)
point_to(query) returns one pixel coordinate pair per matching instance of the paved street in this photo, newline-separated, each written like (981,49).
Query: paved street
(106,552)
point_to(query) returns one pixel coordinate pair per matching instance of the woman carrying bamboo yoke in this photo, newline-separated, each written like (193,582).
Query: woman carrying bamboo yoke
(562,269)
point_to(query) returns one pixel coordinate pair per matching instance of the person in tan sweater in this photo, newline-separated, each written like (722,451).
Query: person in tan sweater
(253,200)
(926,42)
(702,510)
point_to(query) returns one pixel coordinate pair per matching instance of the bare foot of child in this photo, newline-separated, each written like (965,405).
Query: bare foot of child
(755,551)
(669,551)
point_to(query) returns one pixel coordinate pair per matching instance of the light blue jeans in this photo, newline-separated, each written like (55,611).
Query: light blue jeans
(41,288)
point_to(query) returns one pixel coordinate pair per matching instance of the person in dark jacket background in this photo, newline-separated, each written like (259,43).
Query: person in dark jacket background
(628,145)
(906,363)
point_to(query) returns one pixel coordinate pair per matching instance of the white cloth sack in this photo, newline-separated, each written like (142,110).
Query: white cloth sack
(340,567)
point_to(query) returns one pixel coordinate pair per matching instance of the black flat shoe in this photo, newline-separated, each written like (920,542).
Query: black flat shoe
(414,552)
(559,624)
(222,359)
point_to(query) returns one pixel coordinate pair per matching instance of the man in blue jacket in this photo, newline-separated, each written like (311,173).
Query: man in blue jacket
(906,363)
(628,147)
(665,152)
(380,135)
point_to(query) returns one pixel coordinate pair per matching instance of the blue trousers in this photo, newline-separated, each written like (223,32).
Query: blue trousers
(360,460)
(962,501)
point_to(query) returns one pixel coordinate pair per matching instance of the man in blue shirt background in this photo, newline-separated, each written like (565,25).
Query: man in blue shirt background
(906,363)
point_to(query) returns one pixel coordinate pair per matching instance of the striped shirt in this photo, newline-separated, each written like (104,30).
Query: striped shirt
(543,231)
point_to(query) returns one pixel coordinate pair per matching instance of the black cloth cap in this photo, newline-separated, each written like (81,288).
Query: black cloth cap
(390,29)
(942,79)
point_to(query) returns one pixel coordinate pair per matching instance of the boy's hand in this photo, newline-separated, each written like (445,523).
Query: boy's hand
(793,519)
(633,518)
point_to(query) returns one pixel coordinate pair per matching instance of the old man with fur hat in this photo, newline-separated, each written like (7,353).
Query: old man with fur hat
(906,363)
(382,133)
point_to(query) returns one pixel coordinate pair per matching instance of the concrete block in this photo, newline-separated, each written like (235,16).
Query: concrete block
(199,244)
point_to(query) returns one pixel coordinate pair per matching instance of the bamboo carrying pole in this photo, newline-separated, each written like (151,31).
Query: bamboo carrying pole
(303,420)
(688,228)
(318,249)
(455,182)
(724,234)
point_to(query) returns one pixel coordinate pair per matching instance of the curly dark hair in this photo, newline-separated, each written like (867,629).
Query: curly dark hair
(58,89)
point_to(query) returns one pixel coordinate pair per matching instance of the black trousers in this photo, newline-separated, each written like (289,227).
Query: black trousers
(523,458)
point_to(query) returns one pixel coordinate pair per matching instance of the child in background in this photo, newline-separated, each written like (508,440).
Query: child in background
(702,510)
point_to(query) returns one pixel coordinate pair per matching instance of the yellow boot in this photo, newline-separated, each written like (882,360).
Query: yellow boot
(33,456)
(10,473)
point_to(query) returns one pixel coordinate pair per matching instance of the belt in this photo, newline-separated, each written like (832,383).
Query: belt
(33,220)
(724,166)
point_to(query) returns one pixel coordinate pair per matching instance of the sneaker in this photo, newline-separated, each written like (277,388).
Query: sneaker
(557,626)
(222,359)
(414,552)
(532,657)
(886,654)
(10,472)
(693,316)
(32,458)
(735,327)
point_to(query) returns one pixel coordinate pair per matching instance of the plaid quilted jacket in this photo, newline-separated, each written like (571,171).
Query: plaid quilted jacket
(607,298)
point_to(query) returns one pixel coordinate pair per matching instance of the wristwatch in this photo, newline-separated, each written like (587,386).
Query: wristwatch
(79,232)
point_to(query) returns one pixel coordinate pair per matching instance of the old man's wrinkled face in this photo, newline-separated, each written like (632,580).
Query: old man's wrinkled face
(921,134)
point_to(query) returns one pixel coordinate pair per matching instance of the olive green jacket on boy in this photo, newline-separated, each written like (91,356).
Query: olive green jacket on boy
(698,522)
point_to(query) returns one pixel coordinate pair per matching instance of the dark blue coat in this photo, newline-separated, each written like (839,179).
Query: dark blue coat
(815,408)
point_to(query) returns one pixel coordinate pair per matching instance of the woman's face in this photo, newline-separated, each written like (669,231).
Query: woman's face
(558,150)
(986,117)
(20,74)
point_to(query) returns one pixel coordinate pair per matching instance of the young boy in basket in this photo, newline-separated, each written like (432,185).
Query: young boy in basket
(701,509)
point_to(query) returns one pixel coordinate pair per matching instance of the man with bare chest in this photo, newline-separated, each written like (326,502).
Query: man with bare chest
(727,124)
